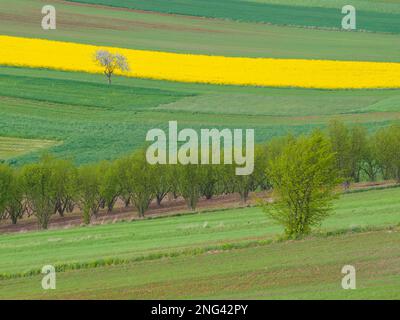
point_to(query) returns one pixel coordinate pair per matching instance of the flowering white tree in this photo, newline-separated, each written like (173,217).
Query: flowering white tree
(111,62)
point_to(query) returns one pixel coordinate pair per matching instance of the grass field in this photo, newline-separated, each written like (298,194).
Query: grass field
(388,6)
(95,121)
(134,239)
(14,147)
(309,269)
(304,15)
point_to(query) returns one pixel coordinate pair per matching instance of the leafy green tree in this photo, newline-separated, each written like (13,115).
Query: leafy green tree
(303,177)
(261,156)
(110,187)
(341,145)
(226,178)
(6,180)
(190,180)
(370,164)
(124,172)
(174,184)
(276,145)
(162,177)
(211,174)
(16,204)
(388,151)
(88,191)
(358,146)
(210,178)
(244,184)
(40,187)
(141,181)
(65,178)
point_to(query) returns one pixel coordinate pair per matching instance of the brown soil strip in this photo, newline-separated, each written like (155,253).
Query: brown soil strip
(168,207)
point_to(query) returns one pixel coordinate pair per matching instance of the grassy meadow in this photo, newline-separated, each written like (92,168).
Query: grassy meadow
(14,147)
(309,270)
(222,254)
(91,121)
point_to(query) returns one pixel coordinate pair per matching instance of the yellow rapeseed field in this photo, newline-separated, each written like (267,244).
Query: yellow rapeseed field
(202,68)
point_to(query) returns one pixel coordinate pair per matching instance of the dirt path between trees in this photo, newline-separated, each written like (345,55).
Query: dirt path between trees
(169,207)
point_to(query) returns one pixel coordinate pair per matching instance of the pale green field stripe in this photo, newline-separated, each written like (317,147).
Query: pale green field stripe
(12,147)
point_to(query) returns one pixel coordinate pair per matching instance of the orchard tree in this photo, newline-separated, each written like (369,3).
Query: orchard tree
(358,149)
(110,187)
(276,145)
(226,177)
(88,191)
(40,186)
(162,177)
(261,156)
(212,174)
(174,183)
(111,62)
(124,173)
(209,182)
(341,145)
(303,177)
(244,184)
(16,205)
(388,151)
(141,181)
(371,165)
(6,181)
(190,179)
(65,179)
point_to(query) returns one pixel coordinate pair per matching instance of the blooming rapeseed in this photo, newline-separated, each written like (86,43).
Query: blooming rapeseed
(36,53)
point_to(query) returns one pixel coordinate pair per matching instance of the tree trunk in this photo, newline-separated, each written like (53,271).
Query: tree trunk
(159,199)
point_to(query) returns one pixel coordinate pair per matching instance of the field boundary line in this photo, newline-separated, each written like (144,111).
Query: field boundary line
(229,246)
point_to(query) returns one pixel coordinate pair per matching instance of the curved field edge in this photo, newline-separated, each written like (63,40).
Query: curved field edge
(205,69)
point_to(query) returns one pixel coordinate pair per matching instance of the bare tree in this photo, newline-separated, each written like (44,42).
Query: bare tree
(111,62)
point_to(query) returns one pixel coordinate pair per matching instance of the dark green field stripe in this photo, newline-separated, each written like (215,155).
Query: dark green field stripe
(260,12)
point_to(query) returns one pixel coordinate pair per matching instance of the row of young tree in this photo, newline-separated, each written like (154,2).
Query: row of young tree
(363,156)
(302,172)
(57,186)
